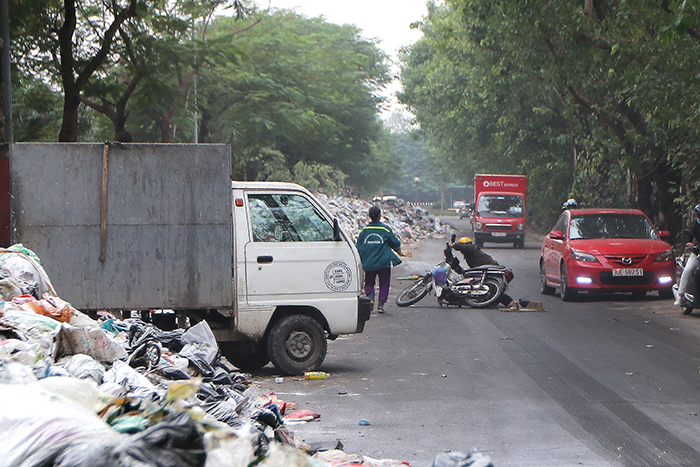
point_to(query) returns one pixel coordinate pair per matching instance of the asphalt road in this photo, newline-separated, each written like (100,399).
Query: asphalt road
(605,381)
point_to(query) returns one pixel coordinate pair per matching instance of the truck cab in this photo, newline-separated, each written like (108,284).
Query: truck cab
(499,209)
(298,278)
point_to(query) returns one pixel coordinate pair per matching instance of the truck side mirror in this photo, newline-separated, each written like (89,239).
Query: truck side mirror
(336,230)
(664,233)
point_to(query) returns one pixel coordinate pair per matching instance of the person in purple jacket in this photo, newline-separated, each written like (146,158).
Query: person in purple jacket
(376,245)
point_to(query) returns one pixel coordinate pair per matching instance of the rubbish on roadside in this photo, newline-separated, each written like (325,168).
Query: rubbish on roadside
(76,391)
(302,415)
(364,423)
(525,305)
(24,267)
(458,459)
(315,375)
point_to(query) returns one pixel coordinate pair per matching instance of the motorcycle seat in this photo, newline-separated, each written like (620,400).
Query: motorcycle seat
(487,266)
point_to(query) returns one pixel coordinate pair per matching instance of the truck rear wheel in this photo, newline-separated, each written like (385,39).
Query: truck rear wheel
(296,344)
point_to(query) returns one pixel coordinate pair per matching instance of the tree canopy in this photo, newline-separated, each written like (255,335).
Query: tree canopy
(592,99)
(295,97)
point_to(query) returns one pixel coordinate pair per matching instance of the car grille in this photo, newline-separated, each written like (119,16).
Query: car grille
(606,278)
(499,227)
(618,259)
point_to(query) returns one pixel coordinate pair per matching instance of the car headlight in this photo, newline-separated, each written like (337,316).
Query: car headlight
(585,257)
(665,256)
(478,225)
(520,226)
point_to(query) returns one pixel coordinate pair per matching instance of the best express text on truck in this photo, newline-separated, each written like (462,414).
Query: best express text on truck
(499,209)
(162,226)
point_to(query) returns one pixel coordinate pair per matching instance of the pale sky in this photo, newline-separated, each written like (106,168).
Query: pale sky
(388,21)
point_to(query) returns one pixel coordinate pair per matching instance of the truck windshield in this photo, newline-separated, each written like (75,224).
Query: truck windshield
(500,206)
(287,218)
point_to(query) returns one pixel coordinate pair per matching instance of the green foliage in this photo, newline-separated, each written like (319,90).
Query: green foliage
(598,104)
(306,90)
(295,97)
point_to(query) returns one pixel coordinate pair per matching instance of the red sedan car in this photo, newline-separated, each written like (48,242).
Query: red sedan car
(606,250)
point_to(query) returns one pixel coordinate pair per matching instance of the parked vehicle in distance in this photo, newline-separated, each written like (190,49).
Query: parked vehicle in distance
(499,209)
(465,211)
(606,250)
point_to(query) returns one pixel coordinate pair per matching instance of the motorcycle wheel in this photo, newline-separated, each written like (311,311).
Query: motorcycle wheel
(687,310)
(489,298)
(414,293)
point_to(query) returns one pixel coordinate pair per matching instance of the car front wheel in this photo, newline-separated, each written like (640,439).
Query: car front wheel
(544,288)
(567,294)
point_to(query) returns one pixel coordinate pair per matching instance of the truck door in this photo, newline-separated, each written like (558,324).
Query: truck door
(291,256)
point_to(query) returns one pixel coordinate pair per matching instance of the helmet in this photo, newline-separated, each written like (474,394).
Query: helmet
(464,240)
(570,204)
(696,210)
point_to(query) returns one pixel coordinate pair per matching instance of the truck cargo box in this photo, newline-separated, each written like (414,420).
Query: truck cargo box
(156,239)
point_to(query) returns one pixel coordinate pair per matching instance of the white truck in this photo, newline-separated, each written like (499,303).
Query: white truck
(153,226)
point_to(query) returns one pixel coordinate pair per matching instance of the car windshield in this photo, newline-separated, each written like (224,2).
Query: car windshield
(500,206)
(611,225)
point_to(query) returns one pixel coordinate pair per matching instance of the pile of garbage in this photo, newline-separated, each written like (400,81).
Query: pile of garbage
(77,391)
(409,222)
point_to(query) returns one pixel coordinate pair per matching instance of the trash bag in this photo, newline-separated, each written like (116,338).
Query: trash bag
(41,428)
(84,366)
(174,441)
(201,348)
(121,380)
(24,267)
(222,411)
(90,340)
(140,332)
(458,459)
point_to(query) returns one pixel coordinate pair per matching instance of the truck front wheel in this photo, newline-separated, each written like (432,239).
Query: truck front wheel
(296,344)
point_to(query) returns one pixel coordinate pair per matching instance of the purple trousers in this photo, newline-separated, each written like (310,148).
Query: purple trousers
(384,279)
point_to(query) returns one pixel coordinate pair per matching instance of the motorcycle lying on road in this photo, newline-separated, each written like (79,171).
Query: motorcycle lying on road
(691,298)
(477,287)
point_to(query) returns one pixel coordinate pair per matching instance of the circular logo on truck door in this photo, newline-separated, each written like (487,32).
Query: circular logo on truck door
(338,276)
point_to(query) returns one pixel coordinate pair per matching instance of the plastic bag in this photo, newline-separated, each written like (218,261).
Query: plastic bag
(129,381)
(173,442)
(15,373)
(24,266)
(440,275)
(458,459)
(50,306)
(24,352)
(39,427)
(84,366)
(200,343)
(90,340)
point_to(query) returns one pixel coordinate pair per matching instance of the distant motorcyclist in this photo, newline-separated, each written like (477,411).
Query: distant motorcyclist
(691,240)
(474,257)
(569,204)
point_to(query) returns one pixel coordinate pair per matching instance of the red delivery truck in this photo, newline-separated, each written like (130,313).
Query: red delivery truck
(499,209)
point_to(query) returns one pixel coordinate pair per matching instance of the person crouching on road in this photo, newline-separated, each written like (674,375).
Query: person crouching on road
(375,244)
(474,258)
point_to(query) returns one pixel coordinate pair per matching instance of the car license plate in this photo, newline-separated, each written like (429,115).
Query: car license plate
(498,234)
(628,272)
